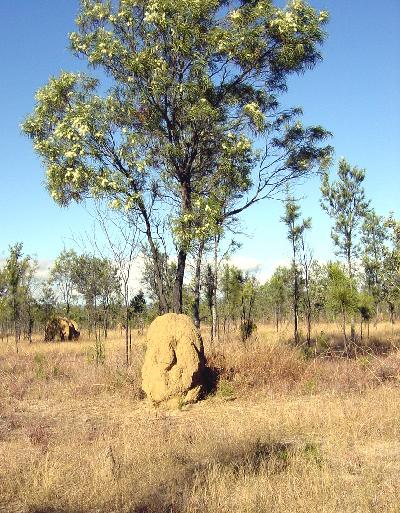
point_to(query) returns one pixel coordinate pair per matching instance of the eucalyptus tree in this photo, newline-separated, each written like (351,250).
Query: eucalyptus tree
(192,86)
(97,280)
(374,237)
(232,280)
(278,291)
(341,295)
(4,310)
(167,272)
(295,234)
(239,290)
(47,302)
(17,275)
(318,288)
(123,246)
(61,276)
(366,307)
(344,201)
(391,266)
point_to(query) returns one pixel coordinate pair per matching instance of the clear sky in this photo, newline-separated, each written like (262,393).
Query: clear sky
(354,93)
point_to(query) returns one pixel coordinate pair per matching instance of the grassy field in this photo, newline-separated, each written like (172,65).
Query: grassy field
(282,432)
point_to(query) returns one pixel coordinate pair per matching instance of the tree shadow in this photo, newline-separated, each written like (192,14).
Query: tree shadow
(258,456)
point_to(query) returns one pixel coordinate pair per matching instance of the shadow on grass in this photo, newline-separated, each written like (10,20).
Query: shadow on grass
(251,458)
(254,458)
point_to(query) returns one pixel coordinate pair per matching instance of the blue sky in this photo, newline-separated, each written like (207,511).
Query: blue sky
(354,93)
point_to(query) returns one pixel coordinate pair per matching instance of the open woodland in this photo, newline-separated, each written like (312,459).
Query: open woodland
(174,128)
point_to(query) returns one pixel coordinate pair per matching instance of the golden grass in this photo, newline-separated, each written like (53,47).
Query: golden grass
(301,435)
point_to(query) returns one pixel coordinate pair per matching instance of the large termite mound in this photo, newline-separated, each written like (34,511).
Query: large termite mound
(173,369)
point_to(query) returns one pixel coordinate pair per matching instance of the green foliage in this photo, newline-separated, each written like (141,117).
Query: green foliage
(342,294)
(192,86)
(295,235)
(312,452)
(318,287)
(344,200)
(231,286)
(278,290)
(366,306)
(239,291)
(47,303)
(391,266)
(61,276)
(95,278)
(291,219)
(374,237)
(16,283)
(138,303)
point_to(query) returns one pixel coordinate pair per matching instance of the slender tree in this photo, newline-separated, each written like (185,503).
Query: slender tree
(366,307)
(61,277)
(306,259)
(231,282)
(344,201)
(341,297)
(374,238)
(279,291)
(96,279)
(16,275)
(391,266)
(197,282)
(295,233)
(47,302)
(122,238)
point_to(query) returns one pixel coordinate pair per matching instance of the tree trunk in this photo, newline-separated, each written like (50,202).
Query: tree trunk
(156,261)
(105,322)
(295,305)
(178,284)
(127,355)
(186,207)
(214,310)
(353,330)
(307,288)
(16,336)
(391,311)
(344,330)
(197,279)
(309,327)
(16,322)
(130,340)
(376,316)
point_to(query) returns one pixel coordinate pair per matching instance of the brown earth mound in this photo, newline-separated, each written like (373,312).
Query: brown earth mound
(61,328)
(173,369)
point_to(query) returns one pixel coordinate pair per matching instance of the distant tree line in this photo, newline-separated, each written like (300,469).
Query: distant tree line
(84,287)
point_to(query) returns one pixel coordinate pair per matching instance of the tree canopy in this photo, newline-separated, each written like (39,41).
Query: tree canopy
(185,120)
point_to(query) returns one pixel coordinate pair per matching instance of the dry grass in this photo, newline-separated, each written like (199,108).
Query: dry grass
(301,435)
